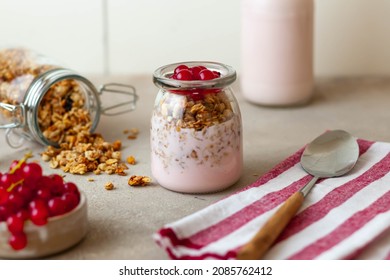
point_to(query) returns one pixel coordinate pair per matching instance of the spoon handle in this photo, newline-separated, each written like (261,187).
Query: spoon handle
(267,235)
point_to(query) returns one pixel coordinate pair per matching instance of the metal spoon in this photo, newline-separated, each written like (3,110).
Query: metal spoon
(332,154)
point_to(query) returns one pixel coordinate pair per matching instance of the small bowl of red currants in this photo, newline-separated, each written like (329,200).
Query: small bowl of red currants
(40,215)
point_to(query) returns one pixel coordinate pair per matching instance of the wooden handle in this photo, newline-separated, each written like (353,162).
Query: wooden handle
(267,235)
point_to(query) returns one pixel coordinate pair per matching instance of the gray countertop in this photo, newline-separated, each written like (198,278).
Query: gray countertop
(122,221)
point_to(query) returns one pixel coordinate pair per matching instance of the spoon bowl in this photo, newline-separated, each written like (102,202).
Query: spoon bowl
(332,154)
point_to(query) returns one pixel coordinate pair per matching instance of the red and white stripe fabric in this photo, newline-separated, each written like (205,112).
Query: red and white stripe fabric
(346,217)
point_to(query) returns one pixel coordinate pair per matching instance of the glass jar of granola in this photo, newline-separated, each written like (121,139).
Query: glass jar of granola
(196,128)
(42,101)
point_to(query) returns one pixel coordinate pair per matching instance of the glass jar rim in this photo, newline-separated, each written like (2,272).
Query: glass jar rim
(39,87)
(162,76)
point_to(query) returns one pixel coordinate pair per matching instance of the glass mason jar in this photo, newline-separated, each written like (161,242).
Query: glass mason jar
(34,93)
(196,131)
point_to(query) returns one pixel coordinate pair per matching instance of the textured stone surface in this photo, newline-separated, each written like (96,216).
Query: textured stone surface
(123,220)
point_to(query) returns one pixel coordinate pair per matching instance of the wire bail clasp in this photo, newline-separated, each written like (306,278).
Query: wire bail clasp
(12,119)
(12,116)
(118,109)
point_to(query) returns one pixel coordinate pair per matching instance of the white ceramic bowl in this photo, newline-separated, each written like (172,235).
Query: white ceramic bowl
(60,233)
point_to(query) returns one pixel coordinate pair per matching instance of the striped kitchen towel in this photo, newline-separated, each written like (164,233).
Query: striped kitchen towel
(346,217)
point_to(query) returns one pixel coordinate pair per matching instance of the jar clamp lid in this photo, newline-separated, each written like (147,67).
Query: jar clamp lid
(25,114)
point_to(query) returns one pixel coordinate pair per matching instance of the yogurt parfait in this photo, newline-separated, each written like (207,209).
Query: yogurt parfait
(196,129)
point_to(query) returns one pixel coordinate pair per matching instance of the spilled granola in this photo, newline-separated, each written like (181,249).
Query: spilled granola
(109,186)
(63,117)
(137,180)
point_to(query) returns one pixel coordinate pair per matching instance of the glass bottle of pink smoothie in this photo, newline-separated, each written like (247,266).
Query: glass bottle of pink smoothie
(277,51)
(196,128)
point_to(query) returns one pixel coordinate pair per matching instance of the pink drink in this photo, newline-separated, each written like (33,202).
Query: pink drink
(277,51)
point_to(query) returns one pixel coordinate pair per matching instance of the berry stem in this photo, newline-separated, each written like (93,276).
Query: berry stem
(16,167)
(13,185)
(23,160)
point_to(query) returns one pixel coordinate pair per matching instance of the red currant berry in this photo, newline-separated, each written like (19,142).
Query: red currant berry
(179,68)
(39,215)
(184,75)
(5,212)
(216,74)
(15,224)
(25,192)
(70,201)
(44,193)
(23,214)
(7,180)
(195,72)
(56,206)
(32,171)
(31,184)
(70,187)
(3,195)
(44,181)
(197,95)
(15,201)
(18,241)
(14,164)
(206,74)
(57,184)
(36,203)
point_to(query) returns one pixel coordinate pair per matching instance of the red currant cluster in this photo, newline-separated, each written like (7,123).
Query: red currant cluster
(25,193)
(185,73)
(195,73)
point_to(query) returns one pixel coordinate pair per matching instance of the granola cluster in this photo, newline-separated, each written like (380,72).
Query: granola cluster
(62,118)
(131,133)
(109,186)
(137,181)
(196,110)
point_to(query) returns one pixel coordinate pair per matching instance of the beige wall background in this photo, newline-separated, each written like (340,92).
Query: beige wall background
(352,37)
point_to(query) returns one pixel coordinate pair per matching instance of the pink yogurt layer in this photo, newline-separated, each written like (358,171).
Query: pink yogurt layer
(191,161)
